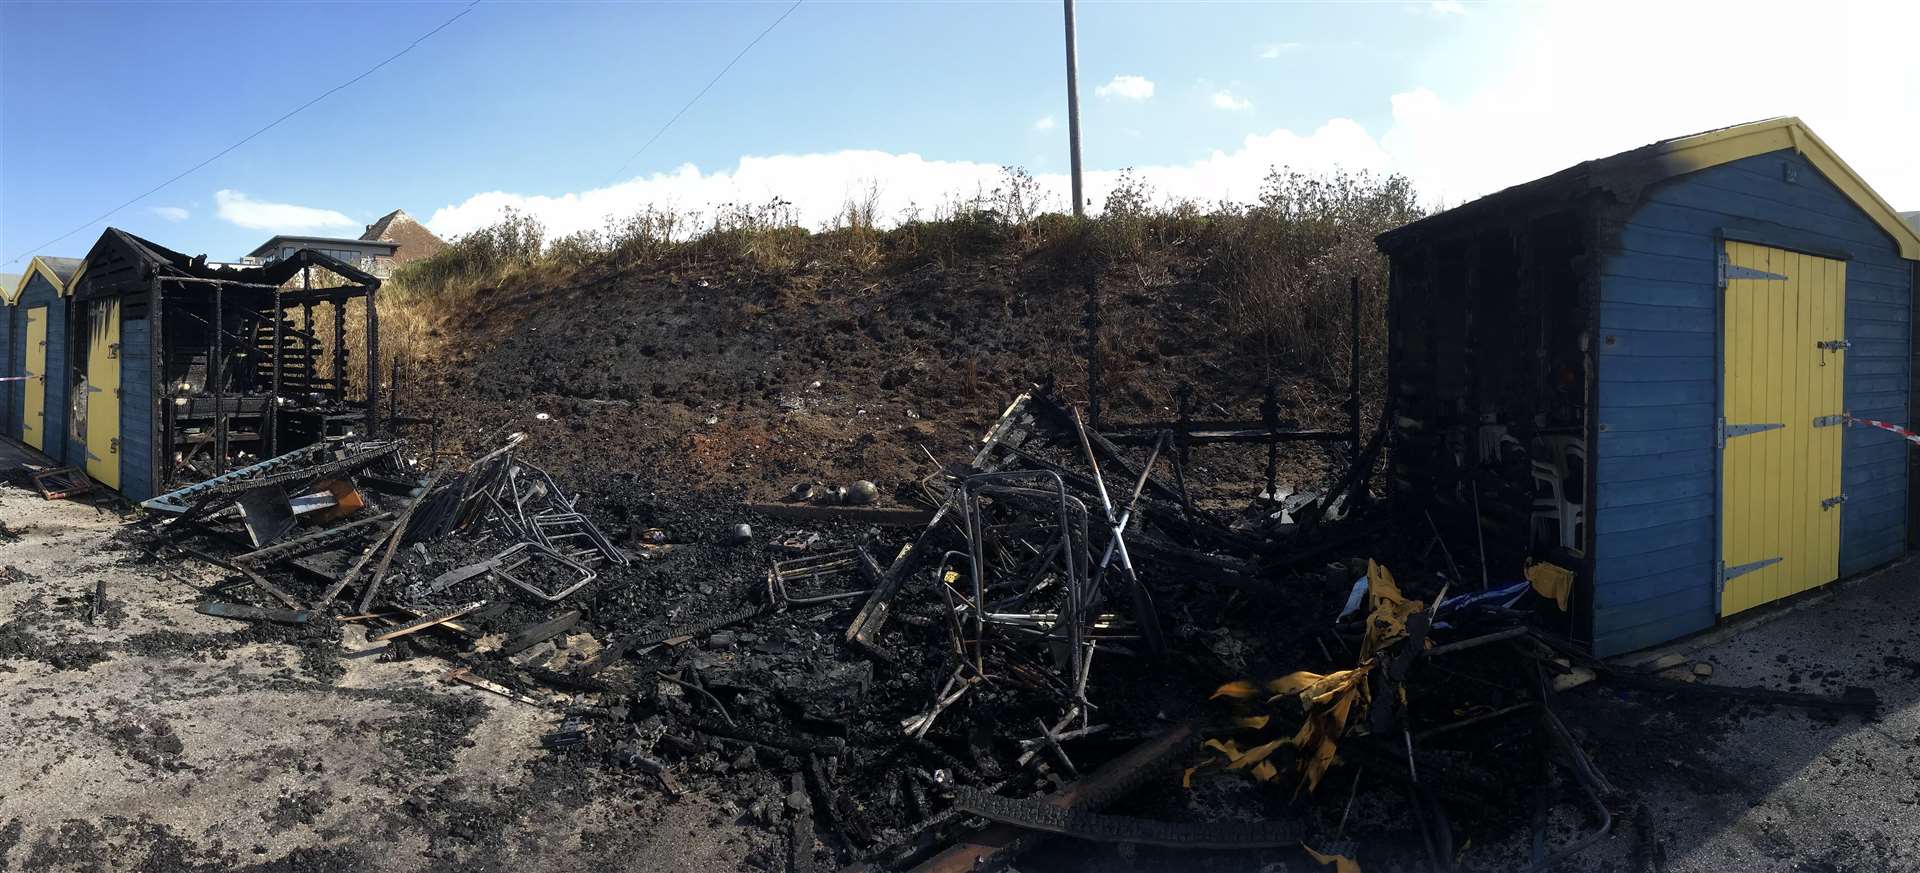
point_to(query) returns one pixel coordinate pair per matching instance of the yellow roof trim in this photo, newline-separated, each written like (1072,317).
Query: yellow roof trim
(46,272)
(1702,150)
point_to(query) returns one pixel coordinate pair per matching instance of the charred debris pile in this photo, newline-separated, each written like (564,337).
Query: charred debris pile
(1050,637)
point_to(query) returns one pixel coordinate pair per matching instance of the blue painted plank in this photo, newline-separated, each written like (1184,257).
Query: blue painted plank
(1776,197)
(1659,369)
(1875,294)
(1632,468)
(1611,641)
(1891,452)
(1656,442)
(1887,366)
(1893,311)
(1641,239)
(1873,272)
(1862,390)
(1676,393)
(1863,483)
(1688,582)
(1622,495)
(1863,329)
(1657,292)
(1615,544)
(136,410)
(1701,268)
(1856,230)
(1628,419)
(1880,514)
(1643,517)
(1637,316)
(1681,611)
(1617,571)
(1657,343)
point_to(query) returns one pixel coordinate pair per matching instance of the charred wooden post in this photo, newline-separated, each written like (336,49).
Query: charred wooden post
(161,449)
(307,370)
(217,376)
(373,363)
(339,347)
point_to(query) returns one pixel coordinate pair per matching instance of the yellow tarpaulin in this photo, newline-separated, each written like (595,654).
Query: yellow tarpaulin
(1552,582)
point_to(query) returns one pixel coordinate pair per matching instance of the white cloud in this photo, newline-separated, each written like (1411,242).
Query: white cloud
(170,213)
(245,211)
(1561,97)
(1226,100)
(1126,88)
(1275,49)
(818,184)
(1045,123)
(1444,8)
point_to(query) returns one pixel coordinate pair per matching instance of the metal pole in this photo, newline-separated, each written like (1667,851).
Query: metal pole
(1073,115)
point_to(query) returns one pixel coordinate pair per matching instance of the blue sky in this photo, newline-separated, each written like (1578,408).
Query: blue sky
(538,106)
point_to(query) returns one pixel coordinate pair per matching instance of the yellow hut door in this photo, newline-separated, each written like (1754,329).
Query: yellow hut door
(103,392)
(33,418)
(1784,356)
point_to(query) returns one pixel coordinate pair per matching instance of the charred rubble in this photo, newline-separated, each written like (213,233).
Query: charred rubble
(1051,637)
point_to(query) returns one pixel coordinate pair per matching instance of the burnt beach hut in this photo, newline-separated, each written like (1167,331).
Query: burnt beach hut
(1650,369)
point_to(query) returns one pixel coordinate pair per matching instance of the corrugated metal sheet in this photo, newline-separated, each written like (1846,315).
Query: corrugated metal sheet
(1659,386)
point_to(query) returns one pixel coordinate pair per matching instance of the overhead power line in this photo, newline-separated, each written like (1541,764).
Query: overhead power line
(703,92)
(249,137)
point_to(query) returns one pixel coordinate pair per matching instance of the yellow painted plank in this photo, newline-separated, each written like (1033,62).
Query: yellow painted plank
(33,420)
(103,393)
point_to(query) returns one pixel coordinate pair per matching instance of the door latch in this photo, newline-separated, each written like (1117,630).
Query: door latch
(1833,501)
(1825,346)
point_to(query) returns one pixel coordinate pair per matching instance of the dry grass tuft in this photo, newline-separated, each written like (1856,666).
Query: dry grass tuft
(1278,267)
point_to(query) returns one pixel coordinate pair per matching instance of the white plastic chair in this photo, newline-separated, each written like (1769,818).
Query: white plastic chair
(1573,516)
(1547,502)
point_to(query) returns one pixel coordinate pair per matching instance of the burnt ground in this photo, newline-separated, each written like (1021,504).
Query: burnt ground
(156,738)
(153,738)
(716,379)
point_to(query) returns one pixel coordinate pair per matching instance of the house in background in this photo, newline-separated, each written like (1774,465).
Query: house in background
(394,239)
(372,256)
(413,239)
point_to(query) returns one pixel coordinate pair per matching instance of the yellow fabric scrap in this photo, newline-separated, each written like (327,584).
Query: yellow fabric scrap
(1388,611)
(1253,722)
(1552,582)
(1341,863)
(1265,771)
(1238,690)
(1254,755)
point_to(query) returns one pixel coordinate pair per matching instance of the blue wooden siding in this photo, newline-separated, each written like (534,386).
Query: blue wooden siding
(8,367)
(136,408)
(39,293)
(1654,510)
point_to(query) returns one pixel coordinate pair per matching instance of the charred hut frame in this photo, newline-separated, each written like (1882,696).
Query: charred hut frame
(229,374)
